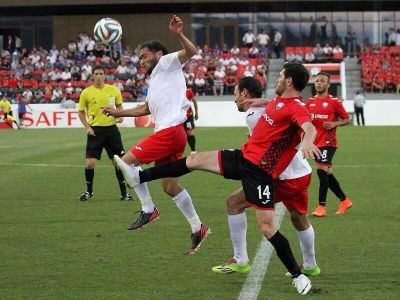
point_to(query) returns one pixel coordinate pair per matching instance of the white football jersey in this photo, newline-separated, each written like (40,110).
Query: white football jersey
(298,167)
(167,93)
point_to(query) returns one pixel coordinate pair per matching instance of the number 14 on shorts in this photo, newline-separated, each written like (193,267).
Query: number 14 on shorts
(264,194)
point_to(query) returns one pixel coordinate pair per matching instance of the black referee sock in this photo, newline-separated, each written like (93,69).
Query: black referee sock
(192,142)
(335,187)
(323,186)
(121,181)
(285,254)
(89,175)
(170,169)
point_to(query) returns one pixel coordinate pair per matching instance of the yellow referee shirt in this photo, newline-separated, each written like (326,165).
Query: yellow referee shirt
(5,105)
(92,99)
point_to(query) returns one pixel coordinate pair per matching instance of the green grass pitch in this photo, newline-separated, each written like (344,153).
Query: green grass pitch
(54,247)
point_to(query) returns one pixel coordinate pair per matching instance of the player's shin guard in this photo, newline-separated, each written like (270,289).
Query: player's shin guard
(184,202)
(323,186)
(306,239)
(192,142)
(121,181)
(89,175)
(142,191)
(335,187)
(285,254)
(170,169)
(238,231)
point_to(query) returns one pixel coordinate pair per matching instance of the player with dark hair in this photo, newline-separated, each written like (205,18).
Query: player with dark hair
(102,131)
(259,163)
(327,113)
(166,102)
(291,189)
(189,123)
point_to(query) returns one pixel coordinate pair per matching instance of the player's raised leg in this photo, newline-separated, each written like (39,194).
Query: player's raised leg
(204,161)
(148,212)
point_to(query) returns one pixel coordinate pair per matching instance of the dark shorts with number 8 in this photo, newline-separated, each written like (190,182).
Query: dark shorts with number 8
(327,154)
(258,186)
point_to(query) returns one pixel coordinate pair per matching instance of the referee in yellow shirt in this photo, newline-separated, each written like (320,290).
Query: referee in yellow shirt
(102,131)
(5,106)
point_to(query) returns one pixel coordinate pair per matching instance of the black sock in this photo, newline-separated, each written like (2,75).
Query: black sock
(285,254)
(89,175)
(170,169)
(335,187)
(121,181)
(323,186)
(192,142)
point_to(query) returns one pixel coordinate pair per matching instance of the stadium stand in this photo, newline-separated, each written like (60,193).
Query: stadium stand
(62,73)
(380,67)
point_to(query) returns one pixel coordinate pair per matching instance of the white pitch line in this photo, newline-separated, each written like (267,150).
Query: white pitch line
(47,165)
(252,286)
(76,166)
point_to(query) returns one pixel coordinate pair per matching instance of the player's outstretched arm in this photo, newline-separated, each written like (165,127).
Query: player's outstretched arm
(140,110)
(256,102)
(176,26)
(308,148)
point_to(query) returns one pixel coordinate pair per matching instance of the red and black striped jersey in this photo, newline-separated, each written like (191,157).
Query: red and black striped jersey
(323,110)
(273,142)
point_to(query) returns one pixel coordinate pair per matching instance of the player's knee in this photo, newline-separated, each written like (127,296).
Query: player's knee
(267,227)
(193,161)
(299,221)
(234,206)
(171,188)
(90,164)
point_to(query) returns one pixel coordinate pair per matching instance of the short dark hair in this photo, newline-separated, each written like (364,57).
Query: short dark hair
(298,73)
(325,74)
(252,85)
(154,46)
(99,67)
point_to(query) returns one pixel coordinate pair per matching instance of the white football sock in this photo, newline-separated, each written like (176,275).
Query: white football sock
(306,239)
(142,191)
(184,202)
(238,231)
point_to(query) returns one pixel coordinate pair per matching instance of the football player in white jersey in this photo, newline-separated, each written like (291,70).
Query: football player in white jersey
(166,102)
(291,189)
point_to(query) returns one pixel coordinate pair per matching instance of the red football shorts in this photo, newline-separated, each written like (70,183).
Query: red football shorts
(162,146)
(293,193)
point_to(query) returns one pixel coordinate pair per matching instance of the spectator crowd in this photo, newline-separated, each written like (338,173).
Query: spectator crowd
(60,74)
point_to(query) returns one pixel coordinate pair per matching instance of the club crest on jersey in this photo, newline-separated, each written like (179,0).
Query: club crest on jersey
(325,104)
(279,105)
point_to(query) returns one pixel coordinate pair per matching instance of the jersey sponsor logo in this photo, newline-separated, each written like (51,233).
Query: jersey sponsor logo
(279,106)
(268,119)
(319,116)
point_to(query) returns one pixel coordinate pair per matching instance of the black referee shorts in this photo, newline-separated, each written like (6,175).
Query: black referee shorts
(107,137)
(258,186)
